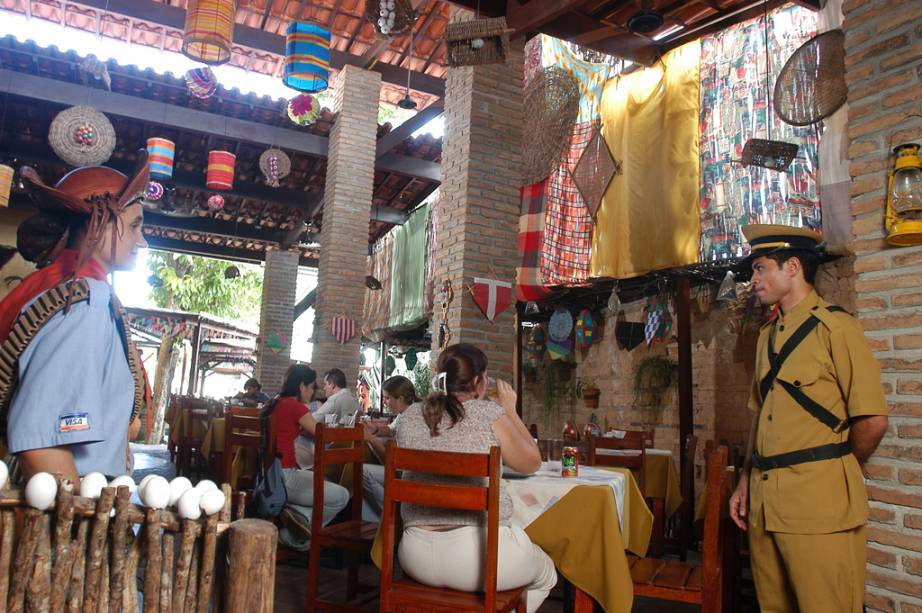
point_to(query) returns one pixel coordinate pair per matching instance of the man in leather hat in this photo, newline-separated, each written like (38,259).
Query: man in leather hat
(819,413)
(71,383)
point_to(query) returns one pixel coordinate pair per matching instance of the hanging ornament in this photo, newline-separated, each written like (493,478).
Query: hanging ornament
(492,296)
(6,184)
(154,192)
(209,30)
(82,136)
(275,165)
(276,342)
(614,301)
(201,82)
(231,272)
(594,171)
(307,57)
(160,154)
(587,329)
(410,358)
(342,328)
(536,343)
(561,325)
(303,109)
(220,172)
(727,289)
(93,67)
(216,202)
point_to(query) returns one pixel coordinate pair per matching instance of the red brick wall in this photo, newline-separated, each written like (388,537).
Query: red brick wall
(280,278)
(884,74)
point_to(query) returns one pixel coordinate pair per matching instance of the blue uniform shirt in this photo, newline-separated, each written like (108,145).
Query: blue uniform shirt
(75,387)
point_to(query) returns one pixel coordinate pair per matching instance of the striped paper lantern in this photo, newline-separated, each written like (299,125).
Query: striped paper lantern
(6,184)
(160,153)
(307,57)
(209,30)
(220,173)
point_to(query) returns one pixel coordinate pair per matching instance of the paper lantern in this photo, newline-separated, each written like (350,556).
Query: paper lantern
(209,31)
(536,343)
(201,82)
(587,329)
(6,184)
(160,153)
(216,202)
(303,109)
(307,57)
(220,173)
(155,191)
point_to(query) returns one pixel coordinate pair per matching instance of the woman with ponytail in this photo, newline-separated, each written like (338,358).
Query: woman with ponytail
(444,548)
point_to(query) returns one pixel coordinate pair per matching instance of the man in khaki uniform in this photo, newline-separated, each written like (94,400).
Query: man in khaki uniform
(819,412)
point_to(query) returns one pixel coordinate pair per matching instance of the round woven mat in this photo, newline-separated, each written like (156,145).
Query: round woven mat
(811,85)
(63,136)
(551,104)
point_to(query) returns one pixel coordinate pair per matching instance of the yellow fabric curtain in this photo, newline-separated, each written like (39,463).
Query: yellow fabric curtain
(649,218)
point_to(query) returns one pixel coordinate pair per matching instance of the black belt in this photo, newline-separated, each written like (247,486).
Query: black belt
(791,458)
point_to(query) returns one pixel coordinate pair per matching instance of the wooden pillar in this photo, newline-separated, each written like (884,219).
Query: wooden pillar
(193,361)
(250,582)
(686,404)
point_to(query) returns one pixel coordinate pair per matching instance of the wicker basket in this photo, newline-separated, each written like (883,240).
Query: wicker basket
(478,41)
(551,104)
(812,86)
(82,136)
(404,17)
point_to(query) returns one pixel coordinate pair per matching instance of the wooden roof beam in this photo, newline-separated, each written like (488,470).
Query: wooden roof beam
(215,251)
(531,16)
(407,128)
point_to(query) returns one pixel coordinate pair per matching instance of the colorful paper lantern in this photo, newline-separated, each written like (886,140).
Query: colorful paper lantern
(587,329)
(303,109)
(535,343)
(307,57)
(201,82)
(6,184)
(220,175)
(216,202)
(155,191)
(209,30)
(160,154)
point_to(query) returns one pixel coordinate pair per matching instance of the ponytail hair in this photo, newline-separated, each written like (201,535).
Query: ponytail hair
(457,371)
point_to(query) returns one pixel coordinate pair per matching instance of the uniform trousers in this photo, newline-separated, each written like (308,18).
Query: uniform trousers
(807,573)
(455,559)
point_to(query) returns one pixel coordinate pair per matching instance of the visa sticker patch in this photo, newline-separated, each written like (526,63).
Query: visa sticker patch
(74,422)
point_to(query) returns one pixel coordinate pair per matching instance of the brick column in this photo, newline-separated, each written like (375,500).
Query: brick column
(479,210)
(883,63)
(346,215)
(280,280)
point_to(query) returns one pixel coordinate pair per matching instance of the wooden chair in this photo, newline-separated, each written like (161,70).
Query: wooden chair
(633,440)
(683,582)
(188,454)
(354,536)
(407,595)
(241,430)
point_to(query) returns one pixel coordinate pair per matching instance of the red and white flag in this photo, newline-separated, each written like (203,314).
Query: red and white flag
(343,328)
(492,296)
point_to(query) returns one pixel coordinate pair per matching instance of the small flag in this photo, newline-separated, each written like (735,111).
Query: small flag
(492,296)
(342,328)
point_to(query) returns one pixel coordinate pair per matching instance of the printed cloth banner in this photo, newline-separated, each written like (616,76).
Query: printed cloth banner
(342,328)
(734,108)
(492,296)
(589,76)
(568,224)
(377,302)
(528,284)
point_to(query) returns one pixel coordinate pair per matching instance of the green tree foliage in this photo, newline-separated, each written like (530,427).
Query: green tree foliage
(197,284)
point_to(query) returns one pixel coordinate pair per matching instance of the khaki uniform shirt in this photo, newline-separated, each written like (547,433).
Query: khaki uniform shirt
(834,366)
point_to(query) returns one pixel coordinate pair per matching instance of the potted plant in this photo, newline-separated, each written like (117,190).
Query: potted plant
(589,391)
(653,377)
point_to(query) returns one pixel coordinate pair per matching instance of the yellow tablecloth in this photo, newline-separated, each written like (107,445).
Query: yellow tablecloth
(177,422)
(244,462)
(661,478)
(581,532)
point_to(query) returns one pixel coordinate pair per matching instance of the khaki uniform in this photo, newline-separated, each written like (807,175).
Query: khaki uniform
(806,521)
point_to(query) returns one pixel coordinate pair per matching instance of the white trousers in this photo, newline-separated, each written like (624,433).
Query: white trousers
(455,559)
(300,486)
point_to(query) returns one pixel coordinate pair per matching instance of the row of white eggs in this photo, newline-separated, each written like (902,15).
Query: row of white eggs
(155,492)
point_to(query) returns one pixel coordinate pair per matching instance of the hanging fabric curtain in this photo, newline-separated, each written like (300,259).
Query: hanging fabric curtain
(733,110)
(160,153)
(408,271)
(648,219)
(307,57)
(6,184)
(209,31)
(377,302)
(220,173)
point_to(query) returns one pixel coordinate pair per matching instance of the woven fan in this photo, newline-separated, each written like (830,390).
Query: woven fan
(811,86)
(594,171)
(82,136)
(551,103)
(274,164)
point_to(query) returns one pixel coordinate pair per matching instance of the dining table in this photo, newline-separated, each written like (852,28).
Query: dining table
(586,524)
(661,477)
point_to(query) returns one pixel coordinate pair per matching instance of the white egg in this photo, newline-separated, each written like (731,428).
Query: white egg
(204,485)
(91,485)
(385,29)
(41,490)
(124,480)
(188,505)
(477,43)
(4,474)
(156,493)
(212,501)
(178,487)
(144,482)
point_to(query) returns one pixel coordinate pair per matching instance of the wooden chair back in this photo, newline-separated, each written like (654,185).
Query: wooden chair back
(405,595)
(241,430)
(632,441)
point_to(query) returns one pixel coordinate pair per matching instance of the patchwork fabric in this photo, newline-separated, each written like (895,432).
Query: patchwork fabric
(530,243)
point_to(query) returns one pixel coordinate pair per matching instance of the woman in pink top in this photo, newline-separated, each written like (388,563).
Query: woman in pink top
(293,418)
(444,548)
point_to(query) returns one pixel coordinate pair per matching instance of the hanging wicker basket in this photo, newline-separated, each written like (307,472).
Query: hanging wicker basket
(275,165)
(551,104)
(390,17)
(82,136)
(478,41)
